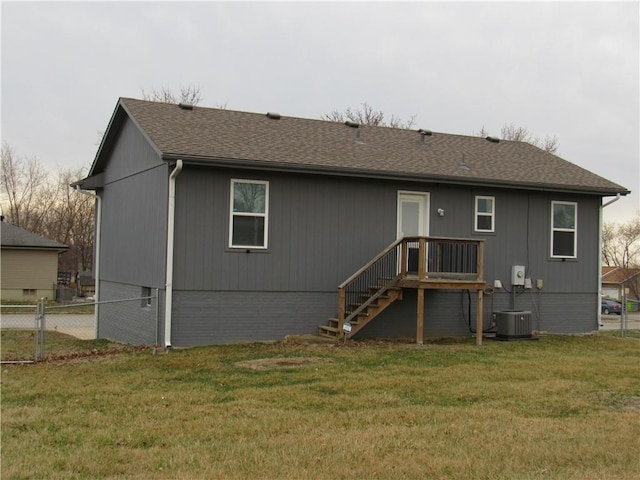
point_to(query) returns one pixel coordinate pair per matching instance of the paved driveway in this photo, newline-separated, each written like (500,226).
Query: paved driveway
(81,326)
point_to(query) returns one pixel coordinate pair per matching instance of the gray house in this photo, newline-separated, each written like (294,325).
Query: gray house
(255,226)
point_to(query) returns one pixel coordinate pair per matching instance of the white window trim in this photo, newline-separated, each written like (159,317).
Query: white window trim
(492,215)
(247,214)
(574,230)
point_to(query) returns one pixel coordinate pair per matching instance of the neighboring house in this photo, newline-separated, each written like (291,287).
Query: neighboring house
(616,281)
(246,224)
(29,264)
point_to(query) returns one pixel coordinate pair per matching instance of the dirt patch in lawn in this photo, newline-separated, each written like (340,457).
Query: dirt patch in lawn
(282,362)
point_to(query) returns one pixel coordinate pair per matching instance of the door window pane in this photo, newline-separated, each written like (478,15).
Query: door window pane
(410,218)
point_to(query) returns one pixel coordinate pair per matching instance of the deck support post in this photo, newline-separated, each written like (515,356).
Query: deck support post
(420,326)
(479,322)
(422,263)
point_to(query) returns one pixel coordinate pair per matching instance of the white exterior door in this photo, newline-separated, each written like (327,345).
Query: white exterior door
(413,214)
(413,221)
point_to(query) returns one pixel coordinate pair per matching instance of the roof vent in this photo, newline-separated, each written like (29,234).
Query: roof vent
(185,106)
(493,139)
(424,133)
(273,115)
(351,124)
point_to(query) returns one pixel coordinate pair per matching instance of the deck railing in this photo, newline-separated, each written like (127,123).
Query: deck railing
(422,258)
(441,257)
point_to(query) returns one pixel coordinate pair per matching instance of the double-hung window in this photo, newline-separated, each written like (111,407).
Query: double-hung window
(564,229)
(248,222)
(485,214)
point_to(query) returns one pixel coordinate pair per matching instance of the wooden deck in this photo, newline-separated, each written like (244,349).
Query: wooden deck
(421,263)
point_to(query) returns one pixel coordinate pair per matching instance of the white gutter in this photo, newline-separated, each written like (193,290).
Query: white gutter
(600,224)
(170,238)
(96,269)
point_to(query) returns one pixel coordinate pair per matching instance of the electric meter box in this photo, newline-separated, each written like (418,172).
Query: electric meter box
(517,275)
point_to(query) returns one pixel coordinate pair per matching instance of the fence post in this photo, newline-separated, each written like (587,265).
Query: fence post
(43,328)
(36,332)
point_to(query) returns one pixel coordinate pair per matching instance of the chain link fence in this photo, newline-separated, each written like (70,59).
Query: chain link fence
(22,333)
(28,330)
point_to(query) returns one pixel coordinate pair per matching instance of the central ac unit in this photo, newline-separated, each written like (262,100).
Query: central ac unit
(513,325)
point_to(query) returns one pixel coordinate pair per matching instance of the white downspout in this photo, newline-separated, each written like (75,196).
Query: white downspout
(600,225)
(96,272)
(170,238)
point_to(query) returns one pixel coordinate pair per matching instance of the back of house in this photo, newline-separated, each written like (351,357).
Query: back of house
(226,226)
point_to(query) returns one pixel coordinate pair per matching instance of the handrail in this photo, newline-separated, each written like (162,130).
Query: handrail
(370,263)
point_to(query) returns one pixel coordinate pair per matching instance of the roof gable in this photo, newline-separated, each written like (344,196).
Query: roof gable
(227,137)
(16,237)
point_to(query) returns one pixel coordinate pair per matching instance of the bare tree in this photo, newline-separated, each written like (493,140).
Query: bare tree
(72,222)
(25,191)
(621,244)
(189,94)
(518,134)
(482,133)
(621,248)
(521,134)
(549,144)
(367,115)
(510,131)
(46,205)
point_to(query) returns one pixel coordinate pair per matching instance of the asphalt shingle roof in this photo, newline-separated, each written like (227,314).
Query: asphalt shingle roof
(16,237)
(214,135)
(618,274)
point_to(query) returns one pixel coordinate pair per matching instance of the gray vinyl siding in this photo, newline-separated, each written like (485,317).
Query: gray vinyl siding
(447,313)
(321,230)
(131,154)
(134,213)
(129,321)
(522,236)
(206,318)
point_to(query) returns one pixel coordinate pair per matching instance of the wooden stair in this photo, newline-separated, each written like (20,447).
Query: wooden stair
(361,314)
(442,263)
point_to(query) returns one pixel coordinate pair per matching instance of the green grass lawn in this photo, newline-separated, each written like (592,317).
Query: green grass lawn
(564,407)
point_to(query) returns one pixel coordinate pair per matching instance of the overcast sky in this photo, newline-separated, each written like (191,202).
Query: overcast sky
(563,69)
